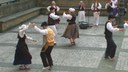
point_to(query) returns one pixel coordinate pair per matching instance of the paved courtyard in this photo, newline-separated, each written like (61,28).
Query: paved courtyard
(86,56)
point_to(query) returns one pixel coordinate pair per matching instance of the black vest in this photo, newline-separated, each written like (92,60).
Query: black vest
(96,7)
(81,9)
(51,21)
(72,21)
(107,33)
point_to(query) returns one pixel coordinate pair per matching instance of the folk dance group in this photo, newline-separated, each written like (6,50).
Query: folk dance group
(48,30)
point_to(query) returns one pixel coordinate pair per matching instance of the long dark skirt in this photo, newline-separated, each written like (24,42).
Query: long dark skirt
(22,55)
(72,31)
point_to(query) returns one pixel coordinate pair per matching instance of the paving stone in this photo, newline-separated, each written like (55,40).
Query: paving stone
(77,58)
(125,43)
(86,56)
(122,63)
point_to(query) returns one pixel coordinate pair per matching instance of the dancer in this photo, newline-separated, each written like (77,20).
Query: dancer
(96,6)
(111,46)
(53,4)
(125,23)
(48,36)
(52,18)
(22,55)
(71,31)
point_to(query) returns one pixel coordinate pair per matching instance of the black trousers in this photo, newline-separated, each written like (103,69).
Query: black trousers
(111,48)
(46,56)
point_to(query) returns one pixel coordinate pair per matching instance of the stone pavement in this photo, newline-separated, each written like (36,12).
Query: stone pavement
(86,56)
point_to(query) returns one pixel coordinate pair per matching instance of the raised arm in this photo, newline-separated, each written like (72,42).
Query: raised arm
(22,29)
(67,16)
(42,31)
(100,6)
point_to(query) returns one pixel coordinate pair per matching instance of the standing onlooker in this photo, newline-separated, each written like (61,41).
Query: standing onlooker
(108,7)
(22,55)
(96,6)
(81,13)
(71,31)
(114,7)
(53,4)
(52,21)
(111,46)
(48,36)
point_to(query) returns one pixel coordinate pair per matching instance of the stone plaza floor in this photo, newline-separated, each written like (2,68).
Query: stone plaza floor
(86,56)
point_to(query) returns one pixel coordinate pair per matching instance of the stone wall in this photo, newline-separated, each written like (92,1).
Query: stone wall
(70,3)
(16,7)
(65,4)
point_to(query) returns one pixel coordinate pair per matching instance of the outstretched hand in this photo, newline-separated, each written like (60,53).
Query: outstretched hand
(121,29)
(33,24)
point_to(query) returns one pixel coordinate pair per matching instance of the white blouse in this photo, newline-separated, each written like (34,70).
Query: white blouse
(22,33)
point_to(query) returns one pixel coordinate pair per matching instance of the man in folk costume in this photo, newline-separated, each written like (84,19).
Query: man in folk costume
(81,13)
(48,36)
(52,21)
(111,46)
(53,4)
(96,6)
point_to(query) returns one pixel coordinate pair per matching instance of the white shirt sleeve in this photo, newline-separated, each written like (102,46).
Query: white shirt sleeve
(106,6)
(111,28)
(53,16)
(58,8)
(67,16)
(48,8)
(125,25)
(92,6)
(99,7)
(42,31)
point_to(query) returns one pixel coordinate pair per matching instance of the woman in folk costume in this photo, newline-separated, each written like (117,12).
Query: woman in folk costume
(22,55)
(71,31)
(96,6)
(81,13)
(114,7)
(53,4)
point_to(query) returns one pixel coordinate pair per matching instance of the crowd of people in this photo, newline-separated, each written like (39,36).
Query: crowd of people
(49,32)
